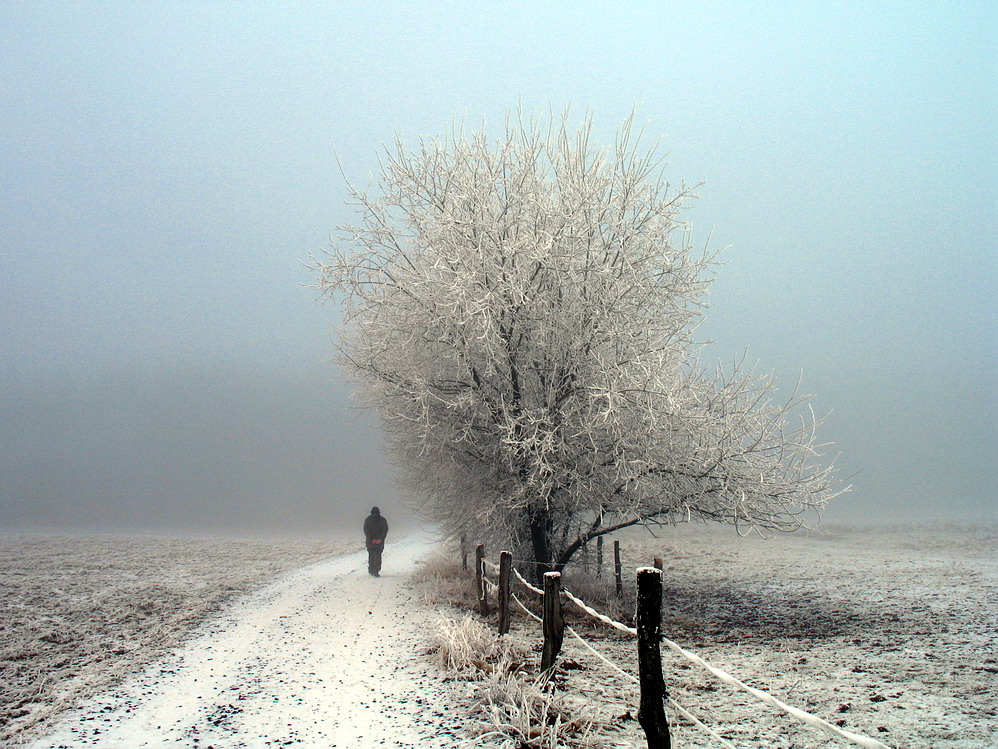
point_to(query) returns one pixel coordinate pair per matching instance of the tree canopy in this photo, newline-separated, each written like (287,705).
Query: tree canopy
(521,314)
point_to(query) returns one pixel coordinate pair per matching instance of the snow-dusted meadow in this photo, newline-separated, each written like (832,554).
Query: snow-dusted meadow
(79,613)
(890,632)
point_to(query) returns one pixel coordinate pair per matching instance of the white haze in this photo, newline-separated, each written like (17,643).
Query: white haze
(166,168)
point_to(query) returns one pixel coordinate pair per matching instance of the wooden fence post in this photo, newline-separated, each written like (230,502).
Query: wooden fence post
(651,713)
(505,566)
(483,604)
(553,624)
(616,569)
(599,557)
(464,553)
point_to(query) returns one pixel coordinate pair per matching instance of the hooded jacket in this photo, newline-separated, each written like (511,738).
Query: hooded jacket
(375,530)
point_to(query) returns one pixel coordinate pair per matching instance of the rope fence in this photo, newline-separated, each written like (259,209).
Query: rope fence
(631,677)
(645,578)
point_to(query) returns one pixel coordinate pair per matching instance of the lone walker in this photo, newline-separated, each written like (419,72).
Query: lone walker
(375,531)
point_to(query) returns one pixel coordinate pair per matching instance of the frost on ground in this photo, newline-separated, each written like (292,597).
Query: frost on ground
(891,633)
(79,613)
(323,656)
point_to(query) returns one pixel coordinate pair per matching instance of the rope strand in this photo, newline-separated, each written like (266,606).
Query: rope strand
(723,676)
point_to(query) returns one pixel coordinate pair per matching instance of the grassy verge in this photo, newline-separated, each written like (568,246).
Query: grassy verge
(514,704)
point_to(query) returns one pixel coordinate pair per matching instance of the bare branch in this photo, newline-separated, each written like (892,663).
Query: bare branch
(521,313)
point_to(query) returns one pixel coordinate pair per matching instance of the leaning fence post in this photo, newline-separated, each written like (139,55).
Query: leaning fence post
(616,569)
(599,557)
(651,713)
(483,604)
(553,625)
(464,553)
(505,565)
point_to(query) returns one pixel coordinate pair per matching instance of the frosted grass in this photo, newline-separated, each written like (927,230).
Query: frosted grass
(79,613)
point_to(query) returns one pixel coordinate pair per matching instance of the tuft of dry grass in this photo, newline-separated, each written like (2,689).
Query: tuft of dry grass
(513,703)
(441,581)
(466,646)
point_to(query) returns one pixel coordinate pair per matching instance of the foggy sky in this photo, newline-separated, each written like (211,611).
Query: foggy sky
(166,168)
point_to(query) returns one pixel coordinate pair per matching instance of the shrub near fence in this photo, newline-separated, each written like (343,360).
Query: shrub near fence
(651,712)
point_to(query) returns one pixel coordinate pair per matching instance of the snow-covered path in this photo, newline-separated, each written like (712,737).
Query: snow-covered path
(325,656)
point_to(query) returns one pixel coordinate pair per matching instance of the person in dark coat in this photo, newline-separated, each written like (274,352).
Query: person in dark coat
(375,531)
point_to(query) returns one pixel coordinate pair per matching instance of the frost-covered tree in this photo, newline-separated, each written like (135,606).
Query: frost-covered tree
(521,312)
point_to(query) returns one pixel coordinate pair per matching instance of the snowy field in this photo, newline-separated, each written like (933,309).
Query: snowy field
(79,613)
(890,633)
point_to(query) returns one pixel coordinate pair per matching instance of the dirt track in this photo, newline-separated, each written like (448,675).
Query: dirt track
(325,656)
